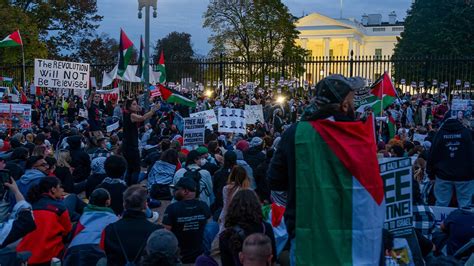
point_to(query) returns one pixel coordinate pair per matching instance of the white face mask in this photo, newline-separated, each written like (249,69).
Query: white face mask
(203,162)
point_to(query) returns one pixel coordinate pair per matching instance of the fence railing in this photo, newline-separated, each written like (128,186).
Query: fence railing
(409,74)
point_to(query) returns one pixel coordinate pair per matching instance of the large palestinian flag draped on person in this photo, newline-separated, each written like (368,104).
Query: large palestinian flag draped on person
(125,53)
(172,96)
(382,94)
(11,40)
(339,194)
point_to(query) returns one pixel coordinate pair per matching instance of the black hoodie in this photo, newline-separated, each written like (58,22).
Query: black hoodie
(80,160)
(451,156)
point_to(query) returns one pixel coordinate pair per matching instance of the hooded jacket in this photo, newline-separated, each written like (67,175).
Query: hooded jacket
(30,178)
(451,156)
(254,156)
(80,160)
(161,173)
(91,224)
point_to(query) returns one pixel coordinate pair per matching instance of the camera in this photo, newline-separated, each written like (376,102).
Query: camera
(4,178)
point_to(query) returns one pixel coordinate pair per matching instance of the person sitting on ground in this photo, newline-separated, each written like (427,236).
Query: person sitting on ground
(237,181)
(219,180)
(459,227)
(161,249)
(202,177)
(80,160)
(187,219)
(19,222)
(97,175)
(115,168)
(124,241)
(84,247)
(161,175)
(256,250)
(52,222)
(243,219)
(36,168)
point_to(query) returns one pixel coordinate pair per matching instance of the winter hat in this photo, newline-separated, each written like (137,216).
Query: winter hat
(255,142)
(380,145)
(335,88)
(162,241)
(242,145)
(202,150)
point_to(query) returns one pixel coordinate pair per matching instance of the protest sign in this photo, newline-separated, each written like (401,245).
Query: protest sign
(419,137)
(461,108)
(83,113)
(253,113)
(209,115)
(113,127)
(194,131)
(441,213)
(15,115)
(231,120)
(178,121)
(61,74)
(397,178)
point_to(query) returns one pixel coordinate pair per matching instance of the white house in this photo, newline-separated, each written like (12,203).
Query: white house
(325,36)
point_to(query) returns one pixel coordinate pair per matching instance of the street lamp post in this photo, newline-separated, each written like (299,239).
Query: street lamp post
(146,71)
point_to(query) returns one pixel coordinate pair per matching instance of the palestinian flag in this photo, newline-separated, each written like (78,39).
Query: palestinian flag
(340,204)
(13,39)
(172,96)
(5,79)
(382,94)
(125,53)
(141,60)
(161,68)
(392,129)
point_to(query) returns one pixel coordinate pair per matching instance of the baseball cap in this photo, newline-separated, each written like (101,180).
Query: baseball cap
(162,241)
(335,88)
(186,183)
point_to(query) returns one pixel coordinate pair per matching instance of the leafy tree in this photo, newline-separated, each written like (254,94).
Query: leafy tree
(101,49)
(60,22)
(254,29)
(435,28)
(177,49)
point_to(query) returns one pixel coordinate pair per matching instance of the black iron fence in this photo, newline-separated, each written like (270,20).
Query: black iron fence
(409,74)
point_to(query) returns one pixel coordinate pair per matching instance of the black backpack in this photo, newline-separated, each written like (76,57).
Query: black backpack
(196,176)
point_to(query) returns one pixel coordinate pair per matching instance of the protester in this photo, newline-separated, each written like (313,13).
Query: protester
(84,247)
(187,218)
(124,241)
(256,250)
(202,177)
(115,168)
(451,163)
(161,175)
(130,151)
(52,222)
(219,180)
(161,249)
(243,219)
(236,181)
(36,168)
(320,180)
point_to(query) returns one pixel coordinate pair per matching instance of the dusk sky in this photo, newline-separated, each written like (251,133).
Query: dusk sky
(187,16)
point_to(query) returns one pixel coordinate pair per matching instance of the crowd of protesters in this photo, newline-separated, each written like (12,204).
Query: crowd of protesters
(94,194)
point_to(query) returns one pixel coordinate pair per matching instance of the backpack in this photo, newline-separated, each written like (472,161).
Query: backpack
(129,262)
(196,176)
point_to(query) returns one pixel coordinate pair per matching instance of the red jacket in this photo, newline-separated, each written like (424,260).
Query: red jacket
(52,224)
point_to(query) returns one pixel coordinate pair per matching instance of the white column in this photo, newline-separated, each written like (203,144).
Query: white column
(357,49)
(327,43)
(351,45)
(304,43)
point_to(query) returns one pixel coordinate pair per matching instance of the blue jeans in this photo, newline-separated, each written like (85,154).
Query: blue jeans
(443,191)
(210,232)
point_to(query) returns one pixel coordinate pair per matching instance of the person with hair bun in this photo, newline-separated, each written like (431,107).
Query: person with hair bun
(52,222)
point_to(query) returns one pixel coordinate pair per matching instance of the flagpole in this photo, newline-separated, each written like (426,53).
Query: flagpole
(23,64)
(381,108)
